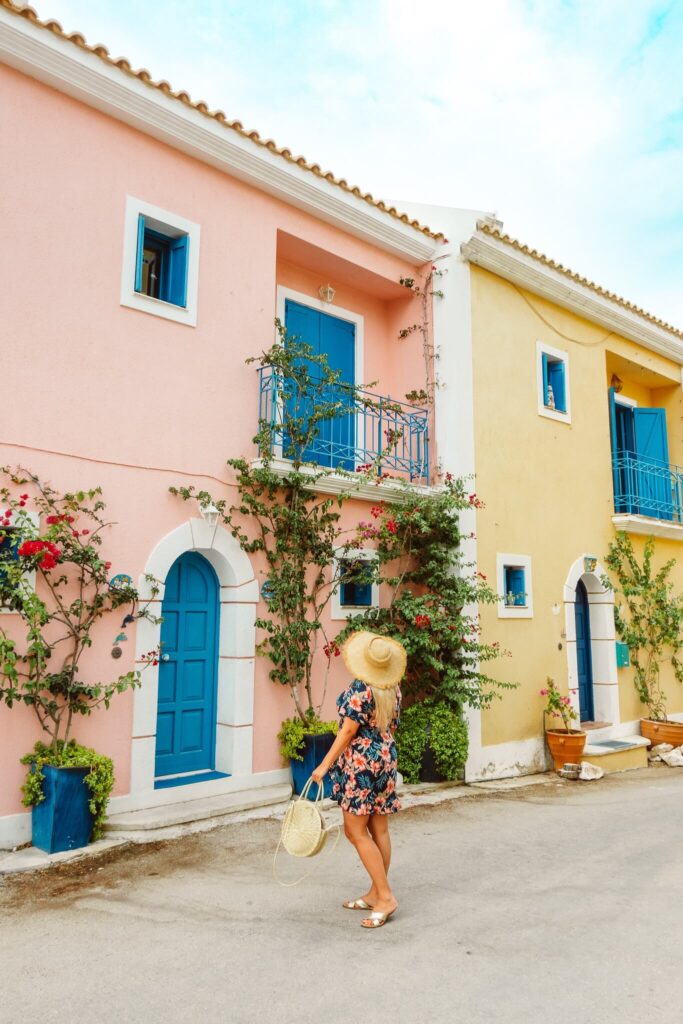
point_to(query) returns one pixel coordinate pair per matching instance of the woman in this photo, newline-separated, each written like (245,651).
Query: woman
(362,760)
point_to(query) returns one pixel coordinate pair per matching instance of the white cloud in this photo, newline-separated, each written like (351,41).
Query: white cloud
(565,116)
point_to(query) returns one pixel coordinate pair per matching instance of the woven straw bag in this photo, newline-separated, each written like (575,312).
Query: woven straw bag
(304,832)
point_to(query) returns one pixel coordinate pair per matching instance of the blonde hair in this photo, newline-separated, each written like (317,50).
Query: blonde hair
(385,706)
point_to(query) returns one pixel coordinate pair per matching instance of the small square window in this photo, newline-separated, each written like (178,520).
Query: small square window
(554,389)
(515,586)
(161,264)
(355,590)
(553,383)
(160,270)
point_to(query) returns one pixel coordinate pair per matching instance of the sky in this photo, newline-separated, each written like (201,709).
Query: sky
(562,117)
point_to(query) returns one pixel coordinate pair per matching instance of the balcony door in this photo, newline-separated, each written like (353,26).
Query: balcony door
(640,451)
(334,447)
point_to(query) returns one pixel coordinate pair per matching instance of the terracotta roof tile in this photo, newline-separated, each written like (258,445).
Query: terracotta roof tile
(217,115)
(495,232)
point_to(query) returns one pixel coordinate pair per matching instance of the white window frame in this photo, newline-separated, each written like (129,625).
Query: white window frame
(339,611)
(167,223)
(30,576)
(510,561)
(555,353)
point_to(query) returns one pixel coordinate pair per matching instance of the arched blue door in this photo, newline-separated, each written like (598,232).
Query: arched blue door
(186,716)
(583,654)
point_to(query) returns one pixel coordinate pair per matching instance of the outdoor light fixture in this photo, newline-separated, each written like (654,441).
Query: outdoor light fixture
(326,292)
(209,513)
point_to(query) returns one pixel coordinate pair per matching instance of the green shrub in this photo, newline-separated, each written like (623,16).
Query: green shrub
(436,725)
(292,732)
(99,780)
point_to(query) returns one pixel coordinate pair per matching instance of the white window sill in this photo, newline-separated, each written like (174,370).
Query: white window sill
(555,414)
(359,488)
(506,612)
(664,528)
(157,307)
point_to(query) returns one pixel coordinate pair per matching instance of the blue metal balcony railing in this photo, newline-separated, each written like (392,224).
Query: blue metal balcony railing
(647,487)
(374,426)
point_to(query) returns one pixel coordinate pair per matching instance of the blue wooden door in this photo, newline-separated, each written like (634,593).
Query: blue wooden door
(654,479)
(186,717)
(583,654)
(328,335)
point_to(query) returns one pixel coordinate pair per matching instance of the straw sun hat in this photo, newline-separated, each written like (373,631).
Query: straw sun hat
(376,660)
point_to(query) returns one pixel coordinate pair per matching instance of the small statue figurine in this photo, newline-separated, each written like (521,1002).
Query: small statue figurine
(550,398)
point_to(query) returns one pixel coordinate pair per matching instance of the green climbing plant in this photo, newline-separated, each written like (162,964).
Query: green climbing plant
(648,617)
(438,726)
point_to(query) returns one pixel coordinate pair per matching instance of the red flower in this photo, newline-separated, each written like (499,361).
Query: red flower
(75,533)
(376,511)
(422,621)
(392,526)
(51,520)
(24,497)
(84,533)
(449,477)
(5,522)
(21,504)
(107,565)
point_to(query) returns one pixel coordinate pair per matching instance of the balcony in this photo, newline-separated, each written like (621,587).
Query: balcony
(368,429)
(647,489)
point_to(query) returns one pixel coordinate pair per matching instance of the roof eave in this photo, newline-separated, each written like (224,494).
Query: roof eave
(80,73)
(526,272)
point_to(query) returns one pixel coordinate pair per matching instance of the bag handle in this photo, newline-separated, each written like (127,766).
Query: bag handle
(318,801)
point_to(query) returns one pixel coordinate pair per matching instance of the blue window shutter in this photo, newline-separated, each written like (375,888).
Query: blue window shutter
(178,270)
(650,431)
(545,378)
(363,594)
(139,253)
(515,586)
(556,376)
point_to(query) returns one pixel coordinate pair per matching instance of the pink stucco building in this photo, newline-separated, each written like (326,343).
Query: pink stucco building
(153,243)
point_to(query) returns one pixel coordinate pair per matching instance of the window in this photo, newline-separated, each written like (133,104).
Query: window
(10,540)
(553,382)
(357,590)
(514,586)
(160,263)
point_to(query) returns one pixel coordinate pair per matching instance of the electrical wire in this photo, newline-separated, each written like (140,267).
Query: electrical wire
(561,334)
(108,462)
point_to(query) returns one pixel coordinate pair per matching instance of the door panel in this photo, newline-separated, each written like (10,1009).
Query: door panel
(186,719)
(653,479)
(583,654)
(335,338)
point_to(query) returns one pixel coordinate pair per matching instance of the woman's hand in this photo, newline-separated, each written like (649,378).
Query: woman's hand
(319,772)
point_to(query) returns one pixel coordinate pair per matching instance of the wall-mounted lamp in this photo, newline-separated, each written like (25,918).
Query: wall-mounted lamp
(326,292)
(616,383)
(209,513)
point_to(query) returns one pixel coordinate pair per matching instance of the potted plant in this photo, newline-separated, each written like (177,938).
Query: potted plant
(303,745)
(432,743)
(565,744)
(649,619)
(54,577)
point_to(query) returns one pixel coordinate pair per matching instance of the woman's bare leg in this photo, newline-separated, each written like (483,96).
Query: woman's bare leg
(356,830)
(378,826)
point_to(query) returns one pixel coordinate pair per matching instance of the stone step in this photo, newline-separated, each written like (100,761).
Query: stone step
(617,755)
(209,810)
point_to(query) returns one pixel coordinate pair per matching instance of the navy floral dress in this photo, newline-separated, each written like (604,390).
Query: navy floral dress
(364,777)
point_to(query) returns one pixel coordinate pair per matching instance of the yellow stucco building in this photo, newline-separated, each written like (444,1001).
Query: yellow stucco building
(565,402)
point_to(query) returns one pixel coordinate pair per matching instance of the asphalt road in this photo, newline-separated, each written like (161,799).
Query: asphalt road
(559,903)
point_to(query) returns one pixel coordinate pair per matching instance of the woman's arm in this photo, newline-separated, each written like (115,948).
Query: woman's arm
(344,737)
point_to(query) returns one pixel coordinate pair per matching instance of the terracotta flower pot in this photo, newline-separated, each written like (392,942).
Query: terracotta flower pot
(662,732)
(565,745)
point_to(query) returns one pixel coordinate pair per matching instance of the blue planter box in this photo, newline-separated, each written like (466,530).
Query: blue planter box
(315,749)
(62,821)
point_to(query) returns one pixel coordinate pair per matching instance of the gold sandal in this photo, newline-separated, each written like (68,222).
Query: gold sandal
(378,919)
(358,904)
